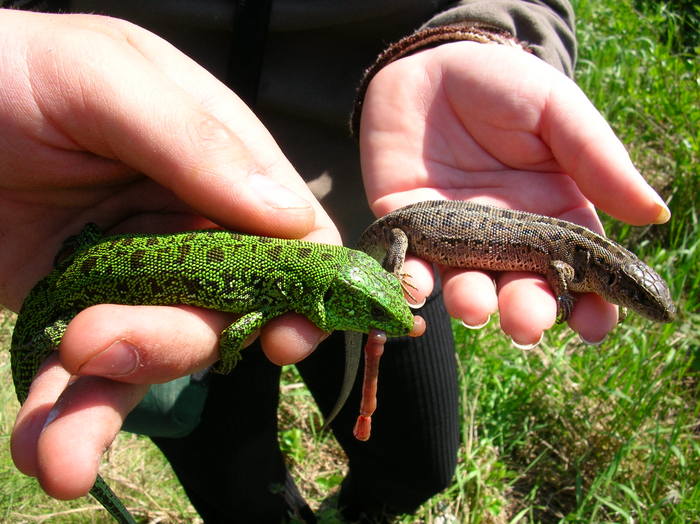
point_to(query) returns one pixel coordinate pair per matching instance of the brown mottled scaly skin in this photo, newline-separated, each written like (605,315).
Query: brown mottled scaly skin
(475,236)
(257,277)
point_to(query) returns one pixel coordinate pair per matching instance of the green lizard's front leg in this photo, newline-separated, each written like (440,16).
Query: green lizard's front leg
(232,338)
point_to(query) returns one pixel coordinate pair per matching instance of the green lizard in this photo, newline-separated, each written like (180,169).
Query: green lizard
(258,277)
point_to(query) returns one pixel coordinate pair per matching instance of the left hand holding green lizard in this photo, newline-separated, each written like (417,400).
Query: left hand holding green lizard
(104,122)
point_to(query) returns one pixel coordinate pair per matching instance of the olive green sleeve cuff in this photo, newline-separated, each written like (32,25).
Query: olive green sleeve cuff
(548,26)
(424,39)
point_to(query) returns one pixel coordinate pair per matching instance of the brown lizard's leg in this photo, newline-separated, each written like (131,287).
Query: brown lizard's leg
(394,259)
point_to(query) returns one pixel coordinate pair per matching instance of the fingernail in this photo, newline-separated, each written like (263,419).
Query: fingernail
(274,194)
(121,358)
(323,336)
(476,326)
(663,213)
(51,417)
(590,342)
(417,305)
(527,347)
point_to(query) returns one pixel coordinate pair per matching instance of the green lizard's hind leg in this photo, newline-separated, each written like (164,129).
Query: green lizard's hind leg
(26,357)
(233,337)
(88,236)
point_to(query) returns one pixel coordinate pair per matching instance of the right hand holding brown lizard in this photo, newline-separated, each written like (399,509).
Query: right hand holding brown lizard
(468,120)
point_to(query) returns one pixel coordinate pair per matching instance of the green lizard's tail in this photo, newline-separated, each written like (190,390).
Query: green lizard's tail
(105,496)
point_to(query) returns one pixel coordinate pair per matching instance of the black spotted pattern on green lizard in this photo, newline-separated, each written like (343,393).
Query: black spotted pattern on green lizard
(258,277)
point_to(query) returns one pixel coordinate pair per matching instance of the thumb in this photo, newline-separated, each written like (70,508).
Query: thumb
(138,107)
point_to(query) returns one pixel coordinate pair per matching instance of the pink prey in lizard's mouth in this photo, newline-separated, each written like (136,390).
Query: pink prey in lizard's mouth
(373,353)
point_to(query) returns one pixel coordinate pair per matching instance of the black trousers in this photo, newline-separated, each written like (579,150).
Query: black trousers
(233,471)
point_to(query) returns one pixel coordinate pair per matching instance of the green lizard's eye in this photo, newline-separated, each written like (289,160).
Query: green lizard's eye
(378,313)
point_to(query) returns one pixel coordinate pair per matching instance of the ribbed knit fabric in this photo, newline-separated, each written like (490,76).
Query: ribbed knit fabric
(233,471)
(230,465)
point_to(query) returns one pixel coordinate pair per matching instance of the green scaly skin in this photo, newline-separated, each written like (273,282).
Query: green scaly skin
(257,277)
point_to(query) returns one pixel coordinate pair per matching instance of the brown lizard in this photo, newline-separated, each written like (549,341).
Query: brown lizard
(476,236)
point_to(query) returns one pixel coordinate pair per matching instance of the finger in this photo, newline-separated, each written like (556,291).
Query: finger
(544,113)
(142,344)
(155,344)
(223,103)
(128,110)
(80,427)
(49,383)
(527,306)
(419,279)
(589,151)
(469,296)
(290,339)
(593,318)
(60,434)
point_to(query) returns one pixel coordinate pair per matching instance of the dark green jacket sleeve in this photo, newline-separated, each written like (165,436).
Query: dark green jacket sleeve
(544,28)
(547,27)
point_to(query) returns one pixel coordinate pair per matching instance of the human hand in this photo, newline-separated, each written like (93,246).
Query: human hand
(486,122)
(105,122)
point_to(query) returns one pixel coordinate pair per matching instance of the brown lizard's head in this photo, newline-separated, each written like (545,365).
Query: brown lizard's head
(638,287)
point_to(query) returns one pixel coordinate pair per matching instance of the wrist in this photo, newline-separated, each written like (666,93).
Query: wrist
(425,39)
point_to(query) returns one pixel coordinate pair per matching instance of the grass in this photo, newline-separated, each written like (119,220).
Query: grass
(565,433)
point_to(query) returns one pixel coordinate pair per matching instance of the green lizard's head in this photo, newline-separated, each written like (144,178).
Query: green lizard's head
(364,296)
